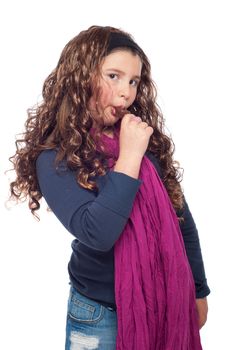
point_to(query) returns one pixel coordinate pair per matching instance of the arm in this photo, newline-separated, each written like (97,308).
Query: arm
(193,250)
(96,220)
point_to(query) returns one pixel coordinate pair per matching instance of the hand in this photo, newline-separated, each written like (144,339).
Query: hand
(202,309)
(134,136)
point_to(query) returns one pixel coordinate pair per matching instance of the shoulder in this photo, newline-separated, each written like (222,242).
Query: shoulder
(46,157)
(46,165)
(53,177)
(155,161)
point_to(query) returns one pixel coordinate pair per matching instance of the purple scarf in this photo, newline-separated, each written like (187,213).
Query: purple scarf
(154,286)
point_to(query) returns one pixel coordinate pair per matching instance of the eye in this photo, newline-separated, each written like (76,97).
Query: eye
(134,82)
(112,76)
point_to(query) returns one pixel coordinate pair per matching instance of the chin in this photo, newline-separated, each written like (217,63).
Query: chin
(110,122)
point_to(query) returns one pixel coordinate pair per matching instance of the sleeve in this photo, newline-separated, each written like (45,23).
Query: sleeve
(193,250)
(96,220)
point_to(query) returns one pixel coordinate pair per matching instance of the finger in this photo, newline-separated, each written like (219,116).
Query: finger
(135,118)
(144,124)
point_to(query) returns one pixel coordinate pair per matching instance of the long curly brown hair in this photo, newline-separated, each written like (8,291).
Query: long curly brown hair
(63,121)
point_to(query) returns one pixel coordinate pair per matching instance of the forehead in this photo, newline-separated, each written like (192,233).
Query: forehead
(123,60)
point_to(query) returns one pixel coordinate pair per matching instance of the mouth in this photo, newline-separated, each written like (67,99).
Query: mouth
(118,112)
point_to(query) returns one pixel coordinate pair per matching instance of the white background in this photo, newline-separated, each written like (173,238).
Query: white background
(189,46)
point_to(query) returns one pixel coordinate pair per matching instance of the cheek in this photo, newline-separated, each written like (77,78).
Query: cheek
(107,94)
(133,96)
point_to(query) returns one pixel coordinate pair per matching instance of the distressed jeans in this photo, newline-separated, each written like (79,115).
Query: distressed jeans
(90,325)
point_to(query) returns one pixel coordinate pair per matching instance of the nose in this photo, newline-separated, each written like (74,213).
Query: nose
(124,91)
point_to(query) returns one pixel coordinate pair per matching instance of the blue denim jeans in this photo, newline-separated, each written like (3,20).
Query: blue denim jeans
(90,325)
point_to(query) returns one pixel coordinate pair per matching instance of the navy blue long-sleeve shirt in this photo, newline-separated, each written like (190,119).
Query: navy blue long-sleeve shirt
(97,220)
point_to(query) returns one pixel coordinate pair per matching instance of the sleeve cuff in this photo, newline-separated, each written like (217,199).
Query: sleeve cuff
(202,291)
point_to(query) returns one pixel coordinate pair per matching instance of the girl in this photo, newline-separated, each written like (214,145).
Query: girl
(95,149)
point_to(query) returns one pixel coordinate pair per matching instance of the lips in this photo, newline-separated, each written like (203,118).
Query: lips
(113,111)
(118,111)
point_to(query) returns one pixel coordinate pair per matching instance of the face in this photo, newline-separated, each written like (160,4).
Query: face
(120,75)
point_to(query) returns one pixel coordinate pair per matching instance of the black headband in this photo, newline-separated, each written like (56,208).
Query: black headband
(121,40)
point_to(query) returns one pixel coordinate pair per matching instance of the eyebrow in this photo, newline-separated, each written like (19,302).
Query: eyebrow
(119,71)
